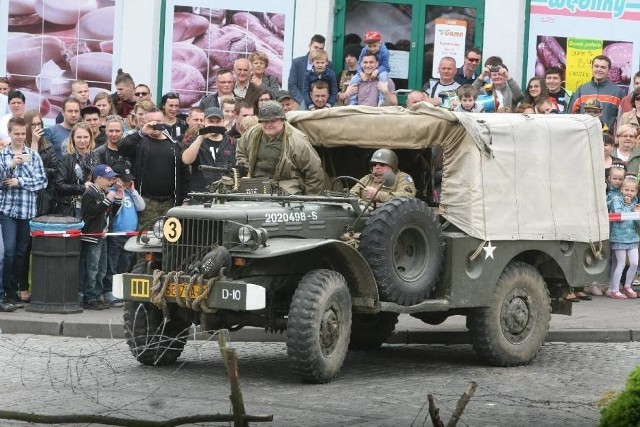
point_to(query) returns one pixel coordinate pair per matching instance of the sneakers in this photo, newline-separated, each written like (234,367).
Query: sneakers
(6,307)
(630,293)
(92,305)
(111,300)
(595,290)
(617,295)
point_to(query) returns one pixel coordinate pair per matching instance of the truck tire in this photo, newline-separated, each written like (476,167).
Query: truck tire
(319,326)
(370,331)
(150,339)
(512,330)
(402,242)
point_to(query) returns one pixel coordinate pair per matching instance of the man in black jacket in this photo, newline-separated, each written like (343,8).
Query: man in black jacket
(162,178)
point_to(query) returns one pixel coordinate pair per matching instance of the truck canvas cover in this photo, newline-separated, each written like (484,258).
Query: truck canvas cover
(505,176)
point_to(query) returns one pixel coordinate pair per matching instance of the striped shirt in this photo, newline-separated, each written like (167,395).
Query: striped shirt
(20,202)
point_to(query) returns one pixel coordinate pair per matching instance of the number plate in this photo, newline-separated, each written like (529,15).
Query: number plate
(227,294)
(171,290)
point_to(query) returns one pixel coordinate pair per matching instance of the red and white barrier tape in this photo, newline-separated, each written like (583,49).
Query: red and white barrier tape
(76,233)
(624,216)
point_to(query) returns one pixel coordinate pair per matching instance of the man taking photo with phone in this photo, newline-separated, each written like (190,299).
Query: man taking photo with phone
(212,147)
(163,180)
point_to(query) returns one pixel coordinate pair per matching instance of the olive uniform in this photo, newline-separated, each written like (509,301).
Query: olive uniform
(402,187)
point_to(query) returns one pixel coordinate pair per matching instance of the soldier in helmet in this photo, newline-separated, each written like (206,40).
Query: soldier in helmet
(383,161)
(276,150)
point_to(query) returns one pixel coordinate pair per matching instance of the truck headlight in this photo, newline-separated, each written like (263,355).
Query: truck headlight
(244,234)
(158,228)
(252,236)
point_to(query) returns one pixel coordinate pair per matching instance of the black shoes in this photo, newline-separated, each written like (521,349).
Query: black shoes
(92,305)
(6,307)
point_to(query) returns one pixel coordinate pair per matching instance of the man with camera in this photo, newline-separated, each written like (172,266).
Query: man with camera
(212,147)
(163,179)
(506,91)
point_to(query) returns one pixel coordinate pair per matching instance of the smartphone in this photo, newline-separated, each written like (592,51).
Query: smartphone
(211,129)
(495,69)
(26,157)
(158,126)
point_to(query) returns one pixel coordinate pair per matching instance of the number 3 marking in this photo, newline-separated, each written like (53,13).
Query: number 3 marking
(172,229)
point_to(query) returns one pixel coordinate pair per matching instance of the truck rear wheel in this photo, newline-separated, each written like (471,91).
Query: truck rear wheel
(319,326)
(370,331)
(152,340)
(402,242)
(512,330)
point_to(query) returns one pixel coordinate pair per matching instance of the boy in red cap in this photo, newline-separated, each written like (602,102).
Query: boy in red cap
(374,45)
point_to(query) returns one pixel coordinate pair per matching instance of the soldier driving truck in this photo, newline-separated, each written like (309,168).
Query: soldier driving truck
(521,219)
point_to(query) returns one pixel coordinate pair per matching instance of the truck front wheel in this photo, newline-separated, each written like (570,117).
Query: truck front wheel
(151,339)
(319,326)
(513,328)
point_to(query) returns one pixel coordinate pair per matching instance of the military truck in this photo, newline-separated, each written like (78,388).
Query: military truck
(518,219)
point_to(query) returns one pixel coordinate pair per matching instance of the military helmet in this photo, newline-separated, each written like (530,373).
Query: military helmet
(271,110)
(386,156)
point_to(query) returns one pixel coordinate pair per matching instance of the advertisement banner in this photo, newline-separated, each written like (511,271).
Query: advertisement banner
(200,40)
(50,43)
(450,36)
(569,34)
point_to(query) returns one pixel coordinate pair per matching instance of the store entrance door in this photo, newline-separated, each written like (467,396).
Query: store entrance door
(416,32)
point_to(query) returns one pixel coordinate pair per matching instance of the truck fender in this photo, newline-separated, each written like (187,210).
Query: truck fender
(341,257)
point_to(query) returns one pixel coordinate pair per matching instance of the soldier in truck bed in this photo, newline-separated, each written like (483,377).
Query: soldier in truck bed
(278,151)
(383,161)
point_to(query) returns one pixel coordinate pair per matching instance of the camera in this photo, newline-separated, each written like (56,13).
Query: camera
(495,68)
(211,129)
(159,126)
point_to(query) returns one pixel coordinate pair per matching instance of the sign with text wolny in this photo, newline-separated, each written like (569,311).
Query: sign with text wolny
(568,34)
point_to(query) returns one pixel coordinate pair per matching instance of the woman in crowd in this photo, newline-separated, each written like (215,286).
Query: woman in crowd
(259,63)
(170,106)
(37,142)
(261,96)
(74,171)
(536,91)
(633,116)
(104,103)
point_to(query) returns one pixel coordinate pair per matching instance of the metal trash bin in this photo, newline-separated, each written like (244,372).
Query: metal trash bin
(55,255)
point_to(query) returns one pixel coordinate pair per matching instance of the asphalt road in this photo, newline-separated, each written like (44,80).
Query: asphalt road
(386,387)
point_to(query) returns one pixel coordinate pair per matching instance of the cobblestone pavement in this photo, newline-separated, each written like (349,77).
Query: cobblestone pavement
(386,387)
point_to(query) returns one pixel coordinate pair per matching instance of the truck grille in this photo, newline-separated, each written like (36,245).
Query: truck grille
(198,237)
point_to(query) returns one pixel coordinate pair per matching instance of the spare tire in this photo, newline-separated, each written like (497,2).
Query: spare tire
(402,242)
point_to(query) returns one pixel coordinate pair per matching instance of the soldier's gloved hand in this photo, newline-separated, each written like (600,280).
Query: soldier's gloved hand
(242,170)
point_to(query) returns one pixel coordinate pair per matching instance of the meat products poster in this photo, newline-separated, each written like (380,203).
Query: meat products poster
(568,34)
(209,35)
(50,43)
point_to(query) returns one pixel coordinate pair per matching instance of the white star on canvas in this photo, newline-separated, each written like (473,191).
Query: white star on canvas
(489,250)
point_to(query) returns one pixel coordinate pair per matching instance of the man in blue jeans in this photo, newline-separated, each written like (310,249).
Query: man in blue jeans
(22,176)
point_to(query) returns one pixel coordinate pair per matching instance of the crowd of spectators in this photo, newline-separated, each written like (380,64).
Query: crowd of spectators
(158,149)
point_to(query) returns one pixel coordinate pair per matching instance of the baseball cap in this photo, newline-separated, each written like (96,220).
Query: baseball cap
(213,112)
(123,169)
(103,171)
(281,95)
(372,36)
(593,103)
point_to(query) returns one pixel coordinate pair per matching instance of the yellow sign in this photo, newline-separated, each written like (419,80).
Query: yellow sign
(172,229)
(580,53)
(140,288)
(171,290)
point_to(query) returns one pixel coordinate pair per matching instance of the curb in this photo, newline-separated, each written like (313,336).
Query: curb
(115,330)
